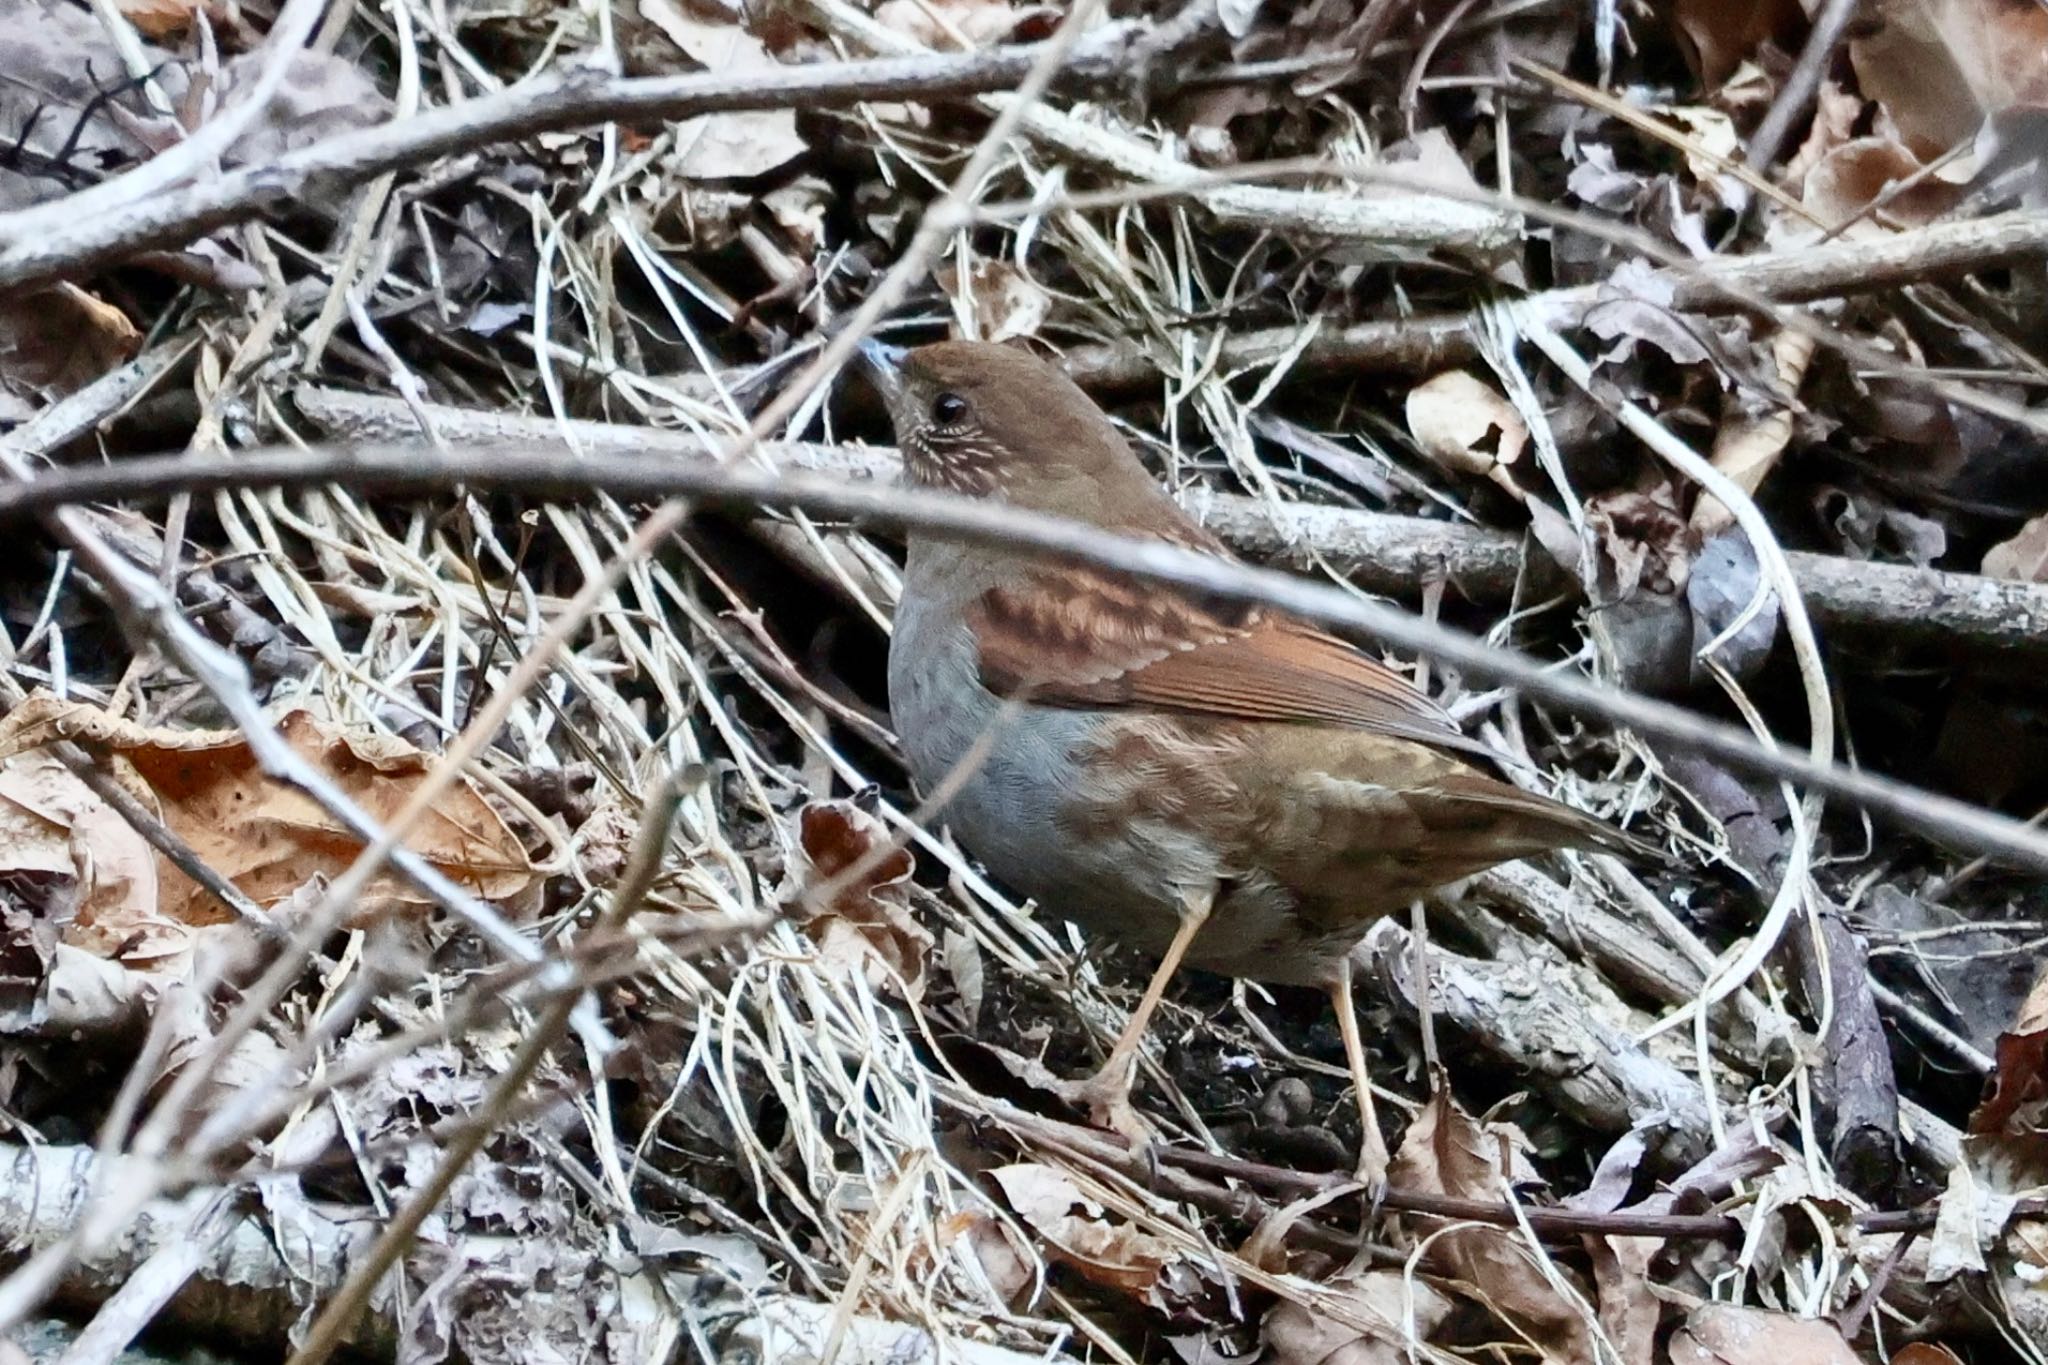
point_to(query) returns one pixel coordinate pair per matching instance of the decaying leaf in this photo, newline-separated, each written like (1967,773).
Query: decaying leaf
(1466,426)
(1078,1232)
(160,20)
(1295,1334)
(1726,1334)
(265,837)
(2024,557)
(853,892)
(1446,1151)
(52,823)
(725,146)
(1722,34)
(1941,68)
(55,341)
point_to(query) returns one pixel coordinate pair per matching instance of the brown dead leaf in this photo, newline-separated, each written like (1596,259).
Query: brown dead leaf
(2024,557)
(55,341)
(1719,35)
(1925,1353)
(2017,1102)
(160,20)
(1446,1151)
(1298,1334)
(1941,68)
(1724,1334)
(1466,426)
(866,924)
(265,837)
(1078,1233)
(50,821)
(1856,173)
(725,146)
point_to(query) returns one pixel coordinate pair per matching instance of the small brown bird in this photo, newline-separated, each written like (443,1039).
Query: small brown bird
(1218,784)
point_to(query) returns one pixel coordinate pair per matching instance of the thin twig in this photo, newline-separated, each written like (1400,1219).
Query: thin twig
(410,470)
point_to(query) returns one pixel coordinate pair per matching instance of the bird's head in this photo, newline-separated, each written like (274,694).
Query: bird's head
(996,421)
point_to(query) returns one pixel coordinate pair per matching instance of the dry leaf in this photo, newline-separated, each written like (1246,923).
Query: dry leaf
(160,20)
(55,341)
(324,95)
(1941,68)
(50,821)
(1296,1334)
(1078,1233)
(1724,1334)
(1925,1353)
(999,300)
(1464,425)
(1446,1151)
(725,146)
(1722,34)
(1856,173)
(2024,557)
(866,924)
(265,837)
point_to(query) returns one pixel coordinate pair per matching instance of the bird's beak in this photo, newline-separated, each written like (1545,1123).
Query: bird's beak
(884,366)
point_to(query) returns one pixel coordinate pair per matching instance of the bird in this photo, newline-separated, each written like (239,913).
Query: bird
(1221,785)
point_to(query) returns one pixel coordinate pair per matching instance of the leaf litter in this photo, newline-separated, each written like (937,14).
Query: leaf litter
(812,1103)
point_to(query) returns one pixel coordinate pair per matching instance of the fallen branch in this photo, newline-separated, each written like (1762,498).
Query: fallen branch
(1382,553)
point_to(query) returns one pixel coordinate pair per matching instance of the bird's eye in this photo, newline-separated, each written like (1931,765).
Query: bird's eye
(948,408)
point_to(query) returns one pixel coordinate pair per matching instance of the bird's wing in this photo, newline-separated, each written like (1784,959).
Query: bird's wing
(1072,637)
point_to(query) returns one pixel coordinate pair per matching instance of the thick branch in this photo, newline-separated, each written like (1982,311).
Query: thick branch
(1390,555)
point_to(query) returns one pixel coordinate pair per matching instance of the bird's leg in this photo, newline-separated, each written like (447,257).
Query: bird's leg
(1372,1148)
(1108,1091)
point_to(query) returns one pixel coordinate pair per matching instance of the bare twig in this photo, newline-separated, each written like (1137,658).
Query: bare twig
(412,470)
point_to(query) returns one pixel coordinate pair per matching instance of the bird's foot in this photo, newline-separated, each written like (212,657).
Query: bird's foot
(1107,1097)
(1371,1172)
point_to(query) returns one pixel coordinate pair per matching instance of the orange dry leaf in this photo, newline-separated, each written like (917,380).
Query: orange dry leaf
(267,838)
(853,891)
(159,20)
(55,341)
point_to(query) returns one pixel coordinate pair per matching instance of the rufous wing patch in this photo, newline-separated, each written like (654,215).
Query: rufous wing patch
(1074,637)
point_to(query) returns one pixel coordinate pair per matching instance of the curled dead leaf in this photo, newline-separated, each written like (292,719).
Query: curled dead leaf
(733,145)
(1326,1331)
(267,838)
(1078,1232)
(1446,1151)
(1466,426)
(853,892)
